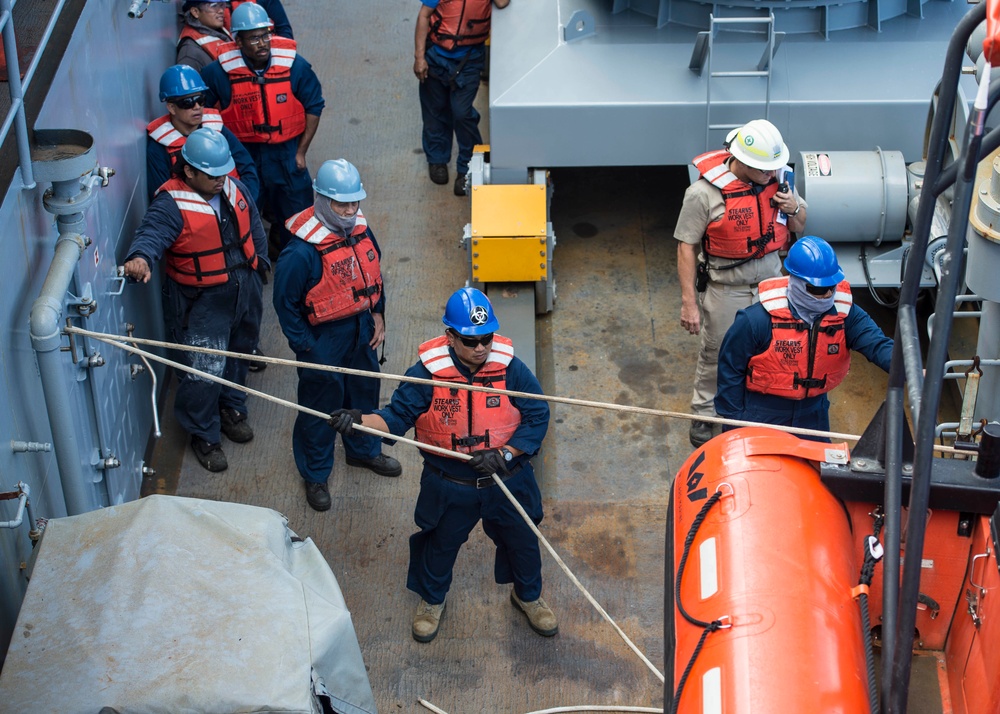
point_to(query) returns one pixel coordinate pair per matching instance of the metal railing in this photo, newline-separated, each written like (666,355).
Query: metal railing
(17,87)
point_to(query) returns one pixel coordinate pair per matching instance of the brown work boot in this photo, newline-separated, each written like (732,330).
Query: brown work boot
(540,617)
(426,621)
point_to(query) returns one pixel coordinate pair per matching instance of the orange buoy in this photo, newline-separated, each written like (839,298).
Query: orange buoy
(769,573)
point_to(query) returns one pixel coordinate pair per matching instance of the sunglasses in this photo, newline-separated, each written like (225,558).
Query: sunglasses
(473,342)
(818,290)
(189,102)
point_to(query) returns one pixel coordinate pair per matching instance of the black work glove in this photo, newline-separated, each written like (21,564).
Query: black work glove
(489,461)
(343,420)
(263,271)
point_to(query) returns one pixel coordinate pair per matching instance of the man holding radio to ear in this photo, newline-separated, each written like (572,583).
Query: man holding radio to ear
(733,221)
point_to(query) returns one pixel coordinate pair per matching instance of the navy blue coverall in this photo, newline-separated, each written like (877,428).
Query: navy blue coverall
(285,189)
(446,512)
(750,335)
(158,166)
(223,317)
(338,343)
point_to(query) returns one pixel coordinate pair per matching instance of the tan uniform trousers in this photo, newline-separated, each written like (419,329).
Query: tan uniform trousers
(719,305)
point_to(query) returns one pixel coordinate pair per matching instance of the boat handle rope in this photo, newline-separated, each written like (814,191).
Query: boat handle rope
(120,341)
(873,554)
(117,341)
(709,627)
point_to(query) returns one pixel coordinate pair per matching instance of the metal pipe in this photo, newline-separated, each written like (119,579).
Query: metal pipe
(45,328)
(937,352)
(22,498)
(937,146)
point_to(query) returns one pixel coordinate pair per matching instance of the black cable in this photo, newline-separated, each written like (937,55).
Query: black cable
(867,573)
(709,626)
(891,304)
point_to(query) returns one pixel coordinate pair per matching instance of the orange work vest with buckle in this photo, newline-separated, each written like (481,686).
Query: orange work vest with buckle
(164,133)
(197,257)
(352,279)
(463,420)
(459,23)
(263,109)
(801,360)
(749,227)
(210,43)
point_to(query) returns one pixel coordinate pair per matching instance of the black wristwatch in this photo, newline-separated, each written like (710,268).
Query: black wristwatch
(508,455)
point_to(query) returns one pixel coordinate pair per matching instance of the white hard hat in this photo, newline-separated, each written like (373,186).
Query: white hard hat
(758,144)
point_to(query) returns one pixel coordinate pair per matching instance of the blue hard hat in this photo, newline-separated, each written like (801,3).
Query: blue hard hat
(470,313)
(339,179)
(813,260)
(208,151)
(249,16)
(179,80)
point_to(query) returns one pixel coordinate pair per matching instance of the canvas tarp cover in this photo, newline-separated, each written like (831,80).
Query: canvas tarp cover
(181,605)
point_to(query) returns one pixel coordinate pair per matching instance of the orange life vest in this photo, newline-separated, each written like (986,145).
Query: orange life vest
(463,420)
(459,23)
(801,361)
(163,132)
(351,280)
(263,109)
(210,43)
(197,257)
(749,227)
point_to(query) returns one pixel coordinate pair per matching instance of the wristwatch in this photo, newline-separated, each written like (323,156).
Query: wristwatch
(798,208)
(508,455)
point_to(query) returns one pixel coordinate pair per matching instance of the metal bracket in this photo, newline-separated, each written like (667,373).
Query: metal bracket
(580,25)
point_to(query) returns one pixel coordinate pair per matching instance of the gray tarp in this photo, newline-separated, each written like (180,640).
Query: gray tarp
(180,605)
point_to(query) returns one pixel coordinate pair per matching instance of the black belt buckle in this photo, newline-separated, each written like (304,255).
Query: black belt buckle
(485,482)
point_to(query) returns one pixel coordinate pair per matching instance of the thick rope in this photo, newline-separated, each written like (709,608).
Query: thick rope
(560,710)
(798,431)
(419,445)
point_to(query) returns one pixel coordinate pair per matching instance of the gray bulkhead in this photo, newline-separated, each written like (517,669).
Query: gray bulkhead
(106,85)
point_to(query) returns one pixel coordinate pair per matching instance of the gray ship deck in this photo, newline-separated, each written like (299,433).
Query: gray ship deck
(614,336)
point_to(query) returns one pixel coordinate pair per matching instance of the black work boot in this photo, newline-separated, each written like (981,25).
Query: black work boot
(318,496)
(700,433)
(235,426)
(438,173)
(382,465)
(209,456)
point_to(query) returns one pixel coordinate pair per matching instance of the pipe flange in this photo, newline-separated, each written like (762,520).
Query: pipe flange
(68,206)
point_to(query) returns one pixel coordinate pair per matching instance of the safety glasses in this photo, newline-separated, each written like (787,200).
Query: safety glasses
(473,342)
(818,290)
(189,102)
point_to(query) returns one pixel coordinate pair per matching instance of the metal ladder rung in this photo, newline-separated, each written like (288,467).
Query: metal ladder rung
(747,73)
(704,44)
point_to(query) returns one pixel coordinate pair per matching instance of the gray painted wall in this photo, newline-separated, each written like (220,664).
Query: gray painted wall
(106,86)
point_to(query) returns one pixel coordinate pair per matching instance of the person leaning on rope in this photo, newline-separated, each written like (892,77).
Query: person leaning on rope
(500,433)
(740,215)
(207,230)
(783,355)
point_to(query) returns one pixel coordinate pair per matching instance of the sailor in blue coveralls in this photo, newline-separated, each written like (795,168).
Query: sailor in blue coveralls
(783,355)
(271,99)
(500,433)
(330,302)
(212,242)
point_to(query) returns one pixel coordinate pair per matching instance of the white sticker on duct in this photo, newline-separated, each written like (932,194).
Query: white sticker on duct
(709,568)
